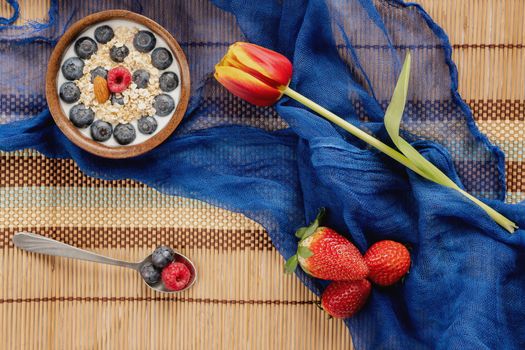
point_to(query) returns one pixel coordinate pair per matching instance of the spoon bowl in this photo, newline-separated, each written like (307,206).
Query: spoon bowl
(159,286)
(35,243)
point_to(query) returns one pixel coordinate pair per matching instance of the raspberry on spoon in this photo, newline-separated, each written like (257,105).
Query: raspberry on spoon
(176,276)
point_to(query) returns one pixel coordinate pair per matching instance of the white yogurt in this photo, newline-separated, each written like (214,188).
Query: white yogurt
(174,67)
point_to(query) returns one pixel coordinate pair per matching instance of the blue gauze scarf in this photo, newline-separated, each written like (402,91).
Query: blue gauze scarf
(466,283)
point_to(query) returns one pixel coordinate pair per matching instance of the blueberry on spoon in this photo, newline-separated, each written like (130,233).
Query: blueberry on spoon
(150,274)
(162,256)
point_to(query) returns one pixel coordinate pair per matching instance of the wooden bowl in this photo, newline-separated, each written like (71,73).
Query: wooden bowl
(62,120)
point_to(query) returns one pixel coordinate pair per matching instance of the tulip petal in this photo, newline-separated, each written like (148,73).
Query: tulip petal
(267,65)
(246,86)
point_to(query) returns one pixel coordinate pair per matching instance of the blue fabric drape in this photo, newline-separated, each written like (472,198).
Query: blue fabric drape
(278,165)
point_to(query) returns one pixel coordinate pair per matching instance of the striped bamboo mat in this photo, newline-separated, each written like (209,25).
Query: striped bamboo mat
(242,301)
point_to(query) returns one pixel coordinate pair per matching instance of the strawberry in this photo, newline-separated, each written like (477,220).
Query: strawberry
(388,261)
(343,299)
(324,254)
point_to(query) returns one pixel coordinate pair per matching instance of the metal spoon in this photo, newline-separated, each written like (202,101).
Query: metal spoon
(35,243)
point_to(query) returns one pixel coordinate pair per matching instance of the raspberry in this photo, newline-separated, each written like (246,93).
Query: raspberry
(119,79)
(176,276)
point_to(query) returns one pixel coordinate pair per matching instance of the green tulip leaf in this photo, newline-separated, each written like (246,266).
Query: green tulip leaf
(393,116)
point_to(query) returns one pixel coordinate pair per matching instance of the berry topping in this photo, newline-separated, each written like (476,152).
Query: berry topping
(69,92)
(176,276)
(168,81)
(80,116)
(163,105)
(73,68)
(85,47)
(117,99)
(144,41)
(147,125)
(162,256)
(103,34)
(118,54)
(101,131)
(124,133)
(141,78)
(119,79)
(150,274)
(161,58)
(99,72)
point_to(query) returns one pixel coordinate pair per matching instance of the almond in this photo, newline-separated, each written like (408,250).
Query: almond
(101,90)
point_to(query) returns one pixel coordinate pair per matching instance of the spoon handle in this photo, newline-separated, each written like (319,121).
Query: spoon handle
(35,243)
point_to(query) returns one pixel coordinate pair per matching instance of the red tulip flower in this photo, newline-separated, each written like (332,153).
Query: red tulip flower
(261,76)
(254,73)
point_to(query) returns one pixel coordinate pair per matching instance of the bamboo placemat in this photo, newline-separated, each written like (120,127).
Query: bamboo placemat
(242,301)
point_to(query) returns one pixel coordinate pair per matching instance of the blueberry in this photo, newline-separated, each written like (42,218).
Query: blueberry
(162,256)
(80,116)
(124,133)
(85,47)
(147,125)
(144,41)
(99,72)
(103,34)
(141,78)
(168,81)
(69,92)
(73,68)
(163,105)
(161,58)
(118,54)
(150,274)
(101,131)
(117,98)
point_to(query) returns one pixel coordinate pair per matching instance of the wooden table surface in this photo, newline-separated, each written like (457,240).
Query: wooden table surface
(61,304)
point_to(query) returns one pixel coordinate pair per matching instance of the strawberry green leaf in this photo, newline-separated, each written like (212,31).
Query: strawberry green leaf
(309,231)
(304,252)
(315,224)
(300,232)
(291,264)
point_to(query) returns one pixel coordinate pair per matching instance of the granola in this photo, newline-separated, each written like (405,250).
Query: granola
(136,102)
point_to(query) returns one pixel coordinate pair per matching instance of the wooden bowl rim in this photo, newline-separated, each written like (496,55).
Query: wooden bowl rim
(63,122)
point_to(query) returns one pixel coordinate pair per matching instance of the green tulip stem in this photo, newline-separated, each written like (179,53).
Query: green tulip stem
(371,140)
(352,129)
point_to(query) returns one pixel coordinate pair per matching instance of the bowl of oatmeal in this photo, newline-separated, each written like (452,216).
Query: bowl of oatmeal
(117,84)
